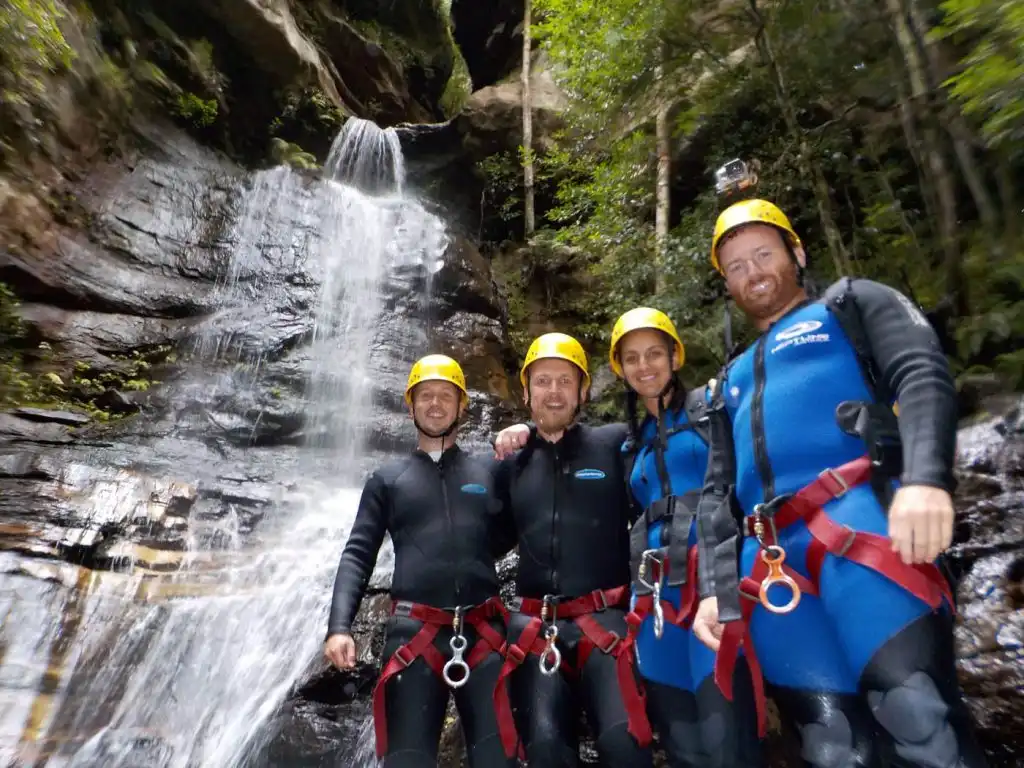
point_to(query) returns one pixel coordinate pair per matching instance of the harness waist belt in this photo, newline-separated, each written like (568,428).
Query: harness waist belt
(421,646)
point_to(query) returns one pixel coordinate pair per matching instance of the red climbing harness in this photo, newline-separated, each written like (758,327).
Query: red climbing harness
(925,581)
(422,647)
(643,605)
(595,637)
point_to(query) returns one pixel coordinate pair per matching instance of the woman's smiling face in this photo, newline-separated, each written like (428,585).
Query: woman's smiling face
(646,358)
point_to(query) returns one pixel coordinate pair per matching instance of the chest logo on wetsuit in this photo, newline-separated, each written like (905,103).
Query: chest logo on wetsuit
(798,334)
(589,474)
(473,488)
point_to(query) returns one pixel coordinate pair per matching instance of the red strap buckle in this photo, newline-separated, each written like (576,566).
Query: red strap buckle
(516,654)
(837,480)
(603,604)
(404,655)
(614,641)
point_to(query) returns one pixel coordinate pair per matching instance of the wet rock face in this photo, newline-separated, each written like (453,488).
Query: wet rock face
(129,543)
(492,120)
(490,37)
(989,555)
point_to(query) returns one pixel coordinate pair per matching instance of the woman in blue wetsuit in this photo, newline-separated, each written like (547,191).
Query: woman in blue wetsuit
(668,452)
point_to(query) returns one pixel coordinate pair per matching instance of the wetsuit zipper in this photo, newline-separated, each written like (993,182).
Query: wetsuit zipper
(451,533)
(555,542)
(764,466)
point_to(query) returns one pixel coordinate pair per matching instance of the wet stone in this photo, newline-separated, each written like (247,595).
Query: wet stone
(59,417)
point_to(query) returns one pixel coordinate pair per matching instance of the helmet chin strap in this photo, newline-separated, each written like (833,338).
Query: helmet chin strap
(436,435)
(661,440)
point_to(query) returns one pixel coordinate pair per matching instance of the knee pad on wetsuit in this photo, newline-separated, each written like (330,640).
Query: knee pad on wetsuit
(616,747)
(728,730)
(836,730)
(916,716)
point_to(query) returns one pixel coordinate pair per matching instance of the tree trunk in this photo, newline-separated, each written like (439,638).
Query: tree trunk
(528,212)
(959,132)
(945,191)
(663,193)
(914,146)
(1008,198)
(808,169)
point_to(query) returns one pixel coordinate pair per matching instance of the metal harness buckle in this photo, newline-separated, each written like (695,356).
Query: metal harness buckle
(458,645)
(654,556)
(550,657)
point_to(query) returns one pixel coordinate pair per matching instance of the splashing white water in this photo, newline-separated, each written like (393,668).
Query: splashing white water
(187,668)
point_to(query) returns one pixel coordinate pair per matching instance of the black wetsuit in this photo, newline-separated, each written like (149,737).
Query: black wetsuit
(864,664)
(447,528)
(572,516)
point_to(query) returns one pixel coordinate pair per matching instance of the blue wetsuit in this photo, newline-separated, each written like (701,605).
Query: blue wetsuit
(697,726)
(864,648)
(677,658)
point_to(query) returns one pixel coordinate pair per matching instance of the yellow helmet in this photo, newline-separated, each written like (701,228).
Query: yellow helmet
(558,345)
(436,368)
(748,212)
(643,317)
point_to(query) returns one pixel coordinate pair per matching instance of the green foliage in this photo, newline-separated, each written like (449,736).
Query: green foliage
(31,45)
(132,373)
(194,110)
(286,153)
(800,86)
(459,87)
(79,391)
(308,110)
(598,47)
(503,185)
(991,80)
(15,384)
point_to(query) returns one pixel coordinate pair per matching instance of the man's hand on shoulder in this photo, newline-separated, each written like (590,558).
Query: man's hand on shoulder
(510,440)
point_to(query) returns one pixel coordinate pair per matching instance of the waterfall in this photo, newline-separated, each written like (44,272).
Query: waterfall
(186,668)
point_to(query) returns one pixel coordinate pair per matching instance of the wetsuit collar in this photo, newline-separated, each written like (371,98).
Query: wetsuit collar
(569,435)
(795,308)
(675,405)
(446,457)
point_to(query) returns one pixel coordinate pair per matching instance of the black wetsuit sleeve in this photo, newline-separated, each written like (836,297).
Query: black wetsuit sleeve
(359,556)
(503,525)
(616,434)
(717,527)
(912,367)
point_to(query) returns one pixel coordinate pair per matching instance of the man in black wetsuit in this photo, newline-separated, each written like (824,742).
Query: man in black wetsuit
(567,631)
(843,509)
(446,629)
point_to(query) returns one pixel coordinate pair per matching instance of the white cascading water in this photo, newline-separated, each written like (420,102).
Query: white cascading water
(196,668)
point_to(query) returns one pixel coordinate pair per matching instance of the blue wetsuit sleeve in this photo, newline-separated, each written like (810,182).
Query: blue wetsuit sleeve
(910,364)
(359,556)
(503,526)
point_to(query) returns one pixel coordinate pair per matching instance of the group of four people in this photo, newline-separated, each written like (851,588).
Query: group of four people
(775,530)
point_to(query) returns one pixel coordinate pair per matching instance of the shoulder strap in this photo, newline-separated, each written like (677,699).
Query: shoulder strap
(841,302)
(697,411)
(630,451)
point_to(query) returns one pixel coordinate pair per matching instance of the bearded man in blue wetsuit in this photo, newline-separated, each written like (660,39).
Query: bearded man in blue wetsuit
(842,509)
